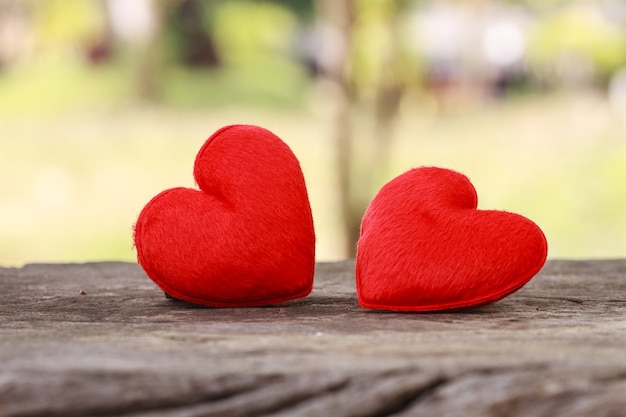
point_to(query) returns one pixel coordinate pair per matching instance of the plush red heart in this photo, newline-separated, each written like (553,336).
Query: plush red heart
(425,247)
(245,238)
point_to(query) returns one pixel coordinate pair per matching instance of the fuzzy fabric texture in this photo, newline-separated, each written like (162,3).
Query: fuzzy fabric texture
(245,238)
(425,247)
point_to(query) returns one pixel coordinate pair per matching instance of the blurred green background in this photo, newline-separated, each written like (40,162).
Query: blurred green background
(104,103)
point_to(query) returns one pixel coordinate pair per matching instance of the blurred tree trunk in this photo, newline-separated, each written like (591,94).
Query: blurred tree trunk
(197,46)
(183,20)
(339,15)
(151,62)
(99,50)
(359,173)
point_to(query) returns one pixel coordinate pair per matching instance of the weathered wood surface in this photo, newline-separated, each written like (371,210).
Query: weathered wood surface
(101,339)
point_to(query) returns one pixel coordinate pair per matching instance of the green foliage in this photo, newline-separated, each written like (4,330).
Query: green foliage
(63,22)
(579,31)
(253,27)
(57,86)
(304,9)
(372,42)
(256,64)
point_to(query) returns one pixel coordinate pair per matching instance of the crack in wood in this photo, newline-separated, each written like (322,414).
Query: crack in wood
(405,403)
(518,392)
(105,393)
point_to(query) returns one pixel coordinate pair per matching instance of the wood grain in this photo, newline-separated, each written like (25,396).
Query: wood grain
(100,339)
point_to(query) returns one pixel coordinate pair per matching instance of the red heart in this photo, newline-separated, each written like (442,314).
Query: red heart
(245,238)
(425,247)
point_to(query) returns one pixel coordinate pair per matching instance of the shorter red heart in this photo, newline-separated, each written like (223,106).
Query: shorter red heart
(245,238)
(425,247)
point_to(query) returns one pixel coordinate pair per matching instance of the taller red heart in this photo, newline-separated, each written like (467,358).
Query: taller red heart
(245,238)
(424,246)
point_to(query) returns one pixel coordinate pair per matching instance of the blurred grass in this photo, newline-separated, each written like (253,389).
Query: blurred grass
(79,158)
(253,83)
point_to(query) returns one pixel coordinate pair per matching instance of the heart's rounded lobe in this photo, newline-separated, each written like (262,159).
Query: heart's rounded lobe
(425,247)
(245,238)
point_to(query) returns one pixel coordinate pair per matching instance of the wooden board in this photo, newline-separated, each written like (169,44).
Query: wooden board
(100,339)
